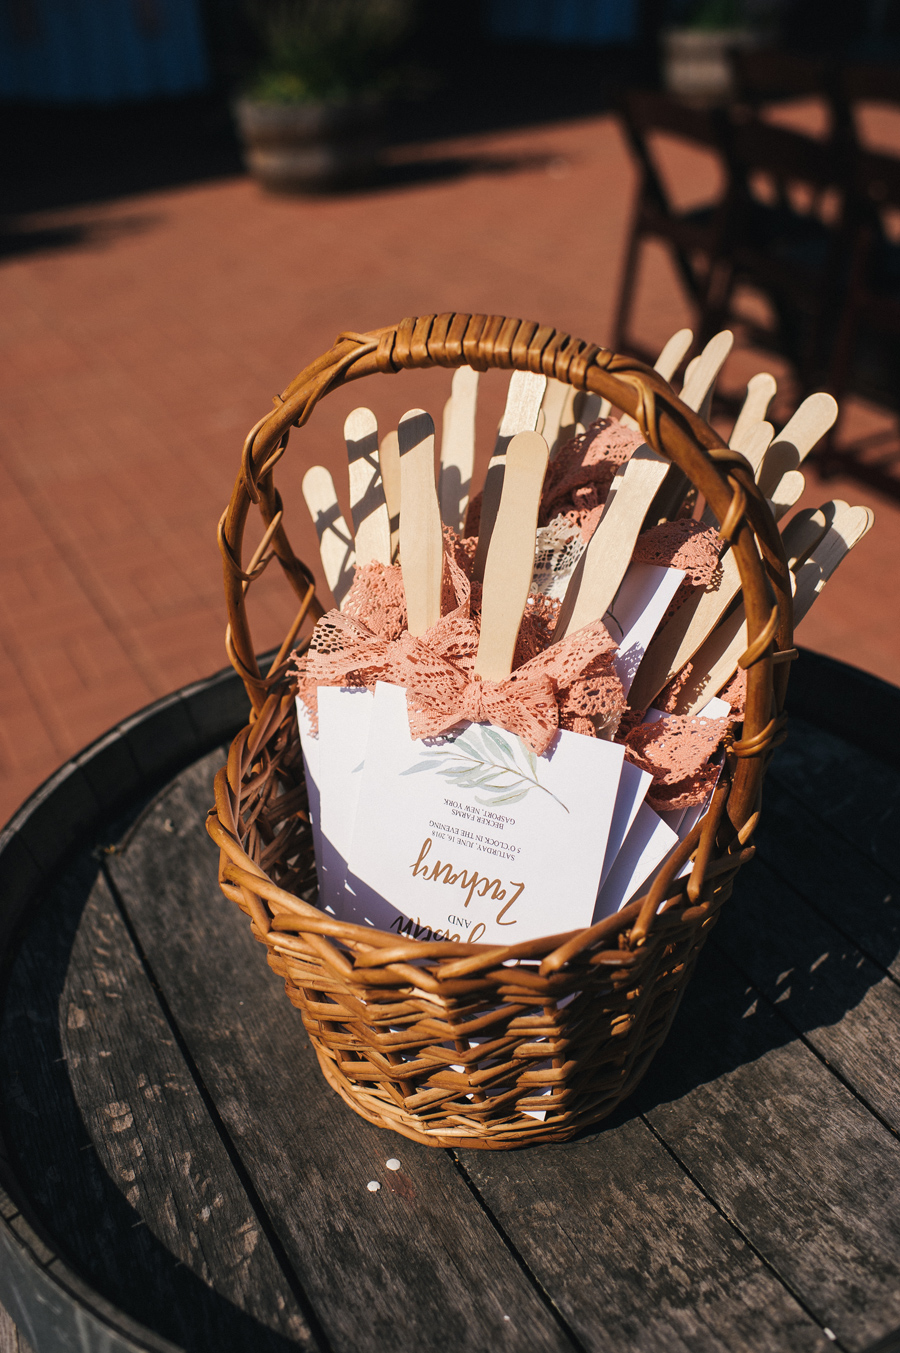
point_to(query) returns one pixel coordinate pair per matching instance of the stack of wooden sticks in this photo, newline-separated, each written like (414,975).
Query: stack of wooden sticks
(541,416)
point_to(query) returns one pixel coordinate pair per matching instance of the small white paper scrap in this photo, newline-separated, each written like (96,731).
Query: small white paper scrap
(471,836)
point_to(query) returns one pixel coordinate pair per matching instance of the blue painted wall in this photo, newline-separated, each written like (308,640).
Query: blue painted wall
(585,21)
(100,51)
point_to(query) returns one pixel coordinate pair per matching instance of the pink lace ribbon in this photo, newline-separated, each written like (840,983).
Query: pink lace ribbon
(676,752)
(440,694)
(436,671)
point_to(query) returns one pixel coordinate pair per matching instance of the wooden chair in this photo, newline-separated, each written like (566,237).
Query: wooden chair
(695,237)
(866,350)
(770,75)
(860,83)
(788,236)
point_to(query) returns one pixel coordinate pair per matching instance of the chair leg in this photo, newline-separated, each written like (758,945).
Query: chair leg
(843,349)
(626,290)
(715,305)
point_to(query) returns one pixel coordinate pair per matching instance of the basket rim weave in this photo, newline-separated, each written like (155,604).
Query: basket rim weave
(359,958)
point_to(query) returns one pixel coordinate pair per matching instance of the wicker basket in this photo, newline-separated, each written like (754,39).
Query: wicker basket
(577,1015)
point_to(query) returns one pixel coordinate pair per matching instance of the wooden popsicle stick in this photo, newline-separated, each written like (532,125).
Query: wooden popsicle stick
(667,363)
(761,390)
(673,353)
(786,493)
(556,396)
(592,407)
(510,562)
(699,383)
(458,447)
(797,438)
(678,640)
(389,460)
(570,424)
(756,443)
(717,660)
(848,529)
(602,567)
(335,541)
(421,541)
(371,524)
(689,370)
(523,405)
(804,531)
(697,395)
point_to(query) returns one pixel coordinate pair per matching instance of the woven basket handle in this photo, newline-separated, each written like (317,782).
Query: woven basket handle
(722,475)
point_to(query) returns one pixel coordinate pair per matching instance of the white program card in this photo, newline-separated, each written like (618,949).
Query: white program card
(642,600)
(472,836)
(344,714)
(633,787)
(646,846)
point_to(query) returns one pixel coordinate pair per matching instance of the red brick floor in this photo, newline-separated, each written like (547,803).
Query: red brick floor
(134,362)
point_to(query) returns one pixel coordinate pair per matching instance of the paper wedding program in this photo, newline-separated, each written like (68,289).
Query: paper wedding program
(473,837)
(344,714)
(641,602)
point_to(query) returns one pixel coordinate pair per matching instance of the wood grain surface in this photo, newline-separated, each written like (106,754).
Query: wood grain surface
(179,1146)
(417,1264)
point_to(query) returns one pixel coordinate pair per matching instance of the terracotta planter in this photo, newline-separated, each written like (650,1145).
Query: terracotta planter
(696,60)
(310,147)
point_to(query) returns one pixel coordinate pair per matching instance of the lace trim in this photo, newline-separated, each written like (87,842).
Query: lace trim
(579,478)
(676,752)
(571,685)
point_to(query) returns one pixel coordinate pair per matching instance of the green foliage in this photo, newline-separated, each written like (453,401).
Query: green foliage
(327,49)
(718,14)
(482,758)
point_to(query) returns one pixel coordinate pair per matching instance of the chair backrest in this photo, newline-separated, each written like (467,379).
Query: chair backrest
(769,73)
(878,205)
(645,112)
(878,179)
(870,83)
(788,156)
(649,111)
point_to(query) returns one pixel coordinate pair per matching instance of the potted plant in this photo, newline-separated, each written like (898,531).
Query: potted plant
(311,114)
(696,50)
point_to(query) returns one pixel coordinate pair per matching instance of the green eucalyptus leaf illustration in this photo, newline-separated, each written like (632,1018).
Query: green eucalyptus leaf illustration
(418,767)
(470,762)
(463,744)
(491,735)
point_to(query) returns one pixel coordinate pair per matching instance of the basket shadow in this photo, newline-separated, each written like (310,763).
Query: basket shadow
(56,1169)
(776,970)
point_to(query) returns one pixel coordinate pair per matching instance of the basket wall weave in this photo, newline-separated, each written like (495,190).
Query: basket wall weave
(457,1044)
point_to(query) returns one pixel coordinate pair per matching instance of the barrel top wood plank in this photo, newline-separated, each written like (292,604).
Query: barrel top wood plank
(176,1175)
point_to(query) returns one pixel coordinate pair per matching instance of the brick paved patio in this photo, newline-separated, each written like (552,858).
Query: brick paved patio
(140,344)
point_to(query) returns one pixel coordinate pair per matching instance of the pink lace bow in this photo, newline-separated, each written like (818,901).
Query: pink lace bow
(436,671)
(440,694)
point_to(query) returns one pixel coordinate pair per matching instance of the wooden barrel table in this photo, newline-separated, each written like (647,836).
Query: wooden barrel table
(176,1175)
